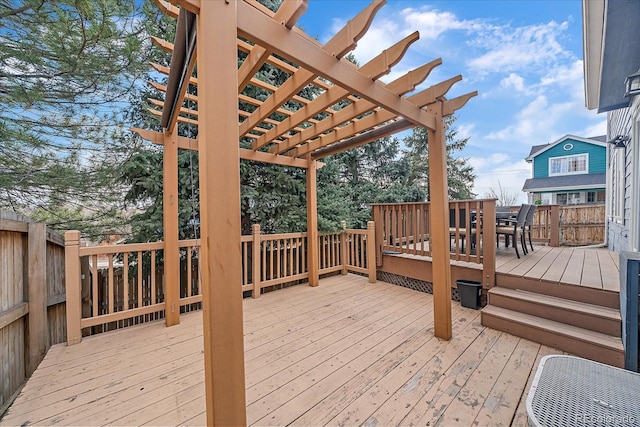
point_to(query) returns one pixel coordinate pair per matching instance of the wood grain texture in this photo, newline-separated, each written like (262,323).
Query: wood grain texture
(314,356)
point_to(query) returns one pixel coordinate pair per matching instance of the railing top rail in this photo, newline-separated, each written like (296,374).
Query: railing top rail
(116,249)
(264,237)
(426,203)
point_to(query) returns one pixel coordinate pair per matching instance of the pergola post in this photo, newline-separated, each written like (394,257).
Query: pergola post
(220,213)
(439,226)
(312,222)
(170,230)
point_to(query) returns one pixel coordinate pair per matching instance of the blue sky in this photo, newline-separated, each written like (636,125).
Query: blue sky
(523,57)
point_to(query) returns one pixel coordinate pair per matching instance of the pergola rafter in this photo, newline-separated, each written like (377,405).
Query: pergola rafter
(349,107)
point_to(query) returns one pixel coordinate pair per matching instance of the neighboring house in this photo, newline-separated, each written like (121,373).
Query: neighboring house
(611,54)
(569,171)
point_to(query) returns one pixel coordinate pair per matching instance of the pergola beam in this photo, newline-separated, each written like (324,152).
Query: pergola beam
(400,86)
(374,69)
(288,13)
(192,144)
(256,26)
(339,45)
(421,99)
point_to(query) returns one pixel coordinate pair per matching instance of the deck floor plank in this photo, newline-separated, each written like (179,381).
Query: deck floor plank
(609,271)
(389,400)
(591,274)
(573,273)
(372,359)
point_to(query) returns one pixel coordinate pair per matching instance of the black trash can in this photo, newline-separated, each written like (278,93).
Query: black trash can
(470,293)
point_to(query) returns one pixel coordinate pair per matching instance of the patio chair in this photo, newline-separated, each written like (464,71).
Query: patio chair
(528,223)
(514,229)
(461,225)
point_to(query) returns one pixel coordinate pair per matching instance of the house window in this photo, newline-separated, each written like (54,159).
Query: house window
(595,196)
(569,165)
(568,198)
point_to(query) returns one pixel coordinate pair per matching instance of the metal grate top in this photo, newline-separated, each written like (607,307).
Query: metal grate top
(571,391)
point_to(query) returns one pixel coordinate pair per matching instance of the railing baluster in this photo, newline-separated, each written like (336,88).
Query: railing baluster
(94,286)
(139,278)
(125,280)
(152,272)
(111,285)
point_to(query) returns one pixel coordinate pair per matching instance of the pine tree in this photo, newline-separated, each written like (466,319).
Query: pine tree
(65,69)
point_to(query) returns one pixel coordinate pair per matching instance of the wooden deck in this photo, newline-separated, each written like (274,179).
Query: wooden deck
(344,353)
(589,267)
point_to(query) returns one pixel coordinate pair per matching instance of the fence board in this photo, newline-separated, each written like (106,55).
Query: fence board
(44,266)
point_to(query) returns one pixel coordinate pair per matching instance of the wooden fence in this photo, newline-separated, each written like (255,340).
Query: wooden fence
(125,283)
(582,224)
(32,299)
(568,225)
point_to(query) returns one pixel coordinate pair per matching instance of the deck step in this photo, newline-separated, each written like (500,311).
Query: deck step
(596,318)
(571,339)
(560,290)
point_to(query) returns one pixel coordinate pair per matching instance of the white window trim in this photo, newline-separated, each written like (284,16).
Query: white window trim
(568,157)
(634,226)
(617,181)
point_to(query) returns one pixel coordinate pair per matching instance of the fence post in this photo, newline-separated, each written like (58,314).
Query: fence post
(255,261)
(37,283)
(72,285)
(344,256)
(371,253)
(554,238)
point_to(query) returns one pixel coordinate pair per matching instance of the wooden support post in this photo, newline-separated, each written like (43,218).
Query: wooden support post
(377,219)
(554,238)
(344,256)
(38,327)
(439,226)
(170,230)
(371,251)
(488,239)
(312,223)
(220,214)
(72,286)
(255,261)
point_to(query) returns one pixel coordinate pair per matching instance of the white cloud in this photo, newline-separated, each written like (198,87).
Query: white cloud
(500,171)
(513,81)
(597,129)
(513,49)
(432,23)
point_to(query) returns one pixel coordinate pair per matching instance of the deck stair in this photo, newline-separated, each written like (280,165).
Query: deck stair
(585,329)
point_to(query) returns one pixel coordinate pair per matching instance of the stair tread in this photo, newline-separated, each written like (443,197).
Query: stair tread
(597,338)
(596,310)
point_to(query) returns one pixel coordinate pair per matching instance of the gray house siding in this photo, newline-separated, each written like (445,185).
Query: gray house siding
(620,122)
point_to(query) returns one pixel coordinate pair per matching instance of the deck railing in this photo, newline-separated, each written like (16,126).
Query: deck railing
(125,284)
(404,228)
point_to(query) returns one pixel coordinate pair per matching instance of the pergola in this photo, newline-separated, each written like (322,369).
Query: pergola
(211,34)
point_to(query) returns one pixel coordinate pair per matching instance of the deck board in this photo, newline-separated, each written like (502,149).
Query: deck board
(344,352)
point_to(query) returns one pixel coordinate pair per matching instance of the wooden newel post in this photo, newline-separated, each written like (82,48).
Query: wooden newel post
(343,247)
(255,260)
(371,251)
(72,286)
(377,219)
(554,238)
(488,237)
(38,328)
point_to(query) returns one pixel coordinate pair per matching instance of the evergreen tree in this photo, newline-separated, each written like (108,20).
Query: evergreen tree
(459,172)
(65,67)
